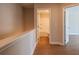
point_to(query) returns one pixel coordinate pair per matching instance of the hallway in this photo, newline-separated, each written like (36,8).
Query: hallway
(44,48)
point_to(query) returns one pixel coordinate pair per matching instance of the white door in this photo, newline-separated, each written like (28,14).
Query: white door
(66,26)
(38,26)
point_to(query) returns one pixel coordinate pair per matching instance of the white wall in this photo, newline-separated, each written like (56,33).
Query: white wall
(73,20)
(24,45)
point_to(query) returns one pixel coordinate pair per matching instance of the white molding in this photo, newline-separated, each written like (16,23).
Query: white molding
(7,46)
(73,33)
(34,47)
(57,43)
(8,43)
(67,6)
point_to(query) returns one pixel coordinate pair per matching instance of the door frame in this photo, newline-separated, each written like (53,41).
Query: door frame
(64,23)
(49,21)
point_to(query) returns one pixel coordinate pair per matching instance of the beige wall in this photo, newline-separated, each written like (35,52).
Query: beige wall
(10,18)
(56,22)
(20,19)
(28,19)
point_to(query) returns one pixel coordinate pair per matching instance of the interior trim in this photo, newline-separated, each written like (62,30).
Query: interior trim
(57,43)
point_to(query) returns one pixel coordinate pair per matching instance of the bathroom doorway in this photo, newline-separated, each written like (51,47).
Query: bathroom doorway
(43,23)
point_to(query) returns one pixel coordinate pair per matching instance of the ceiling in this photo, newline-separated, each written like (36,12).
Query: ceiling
(27,5)
(31,5)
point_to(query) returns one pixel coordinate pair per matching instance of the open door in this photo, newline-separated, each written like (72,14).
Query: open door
(66,15)
(38,26)
(43,23)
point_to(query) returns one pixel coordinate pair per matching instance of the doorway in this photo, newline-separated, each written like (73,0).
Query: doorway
(71,25)
(43,23)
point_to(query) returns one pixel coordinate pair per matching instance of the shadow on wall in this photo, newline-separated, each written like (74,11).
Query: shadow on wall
(10,19)
(28,19)
(18,20)
(15,19)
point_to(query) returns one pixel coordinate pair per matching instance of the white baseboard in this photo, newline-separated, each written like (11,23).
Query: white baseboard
(56,43)
(53,43)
